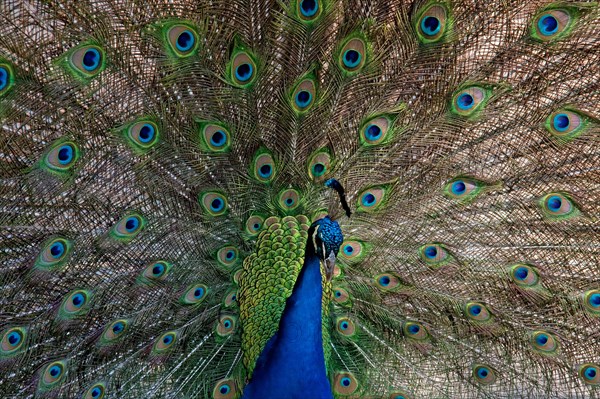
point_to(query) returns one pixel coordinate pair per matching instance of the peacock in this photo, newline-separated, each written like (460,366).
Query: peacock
(309,199)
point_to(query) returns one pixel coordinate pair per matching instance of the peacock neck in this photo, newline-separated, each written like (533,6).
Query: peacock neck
(292,365)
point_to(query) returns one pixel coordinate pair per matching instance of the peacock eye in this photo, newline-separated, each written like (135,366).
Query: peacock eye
(432,23)
(242,69)
(183,40)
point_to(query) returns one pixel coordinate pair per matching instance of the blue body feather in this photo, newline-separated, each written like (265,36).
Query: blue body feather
(297,348)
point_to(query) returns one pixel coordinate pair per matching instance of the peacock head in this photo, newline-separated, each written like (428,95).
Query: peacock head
(326,238)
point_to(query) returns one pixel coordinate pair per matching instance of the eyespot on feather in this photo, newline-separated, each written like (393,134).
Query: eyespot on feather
(414,330)
(214,137)
(289,199)
(387,281)
(477,311)
(344,383)
(87,61)
(96,391)
(375,131)
(590,373)
(228,256)
(114,331)
(54,253)
(7,78)
(214,203)
(319,165)
(544,342)
(552,24)
(468,101)
(558,206)
(225,389)
(484,374)
(242,69)
(254,224)
(143,134)
(75,303)
(226,325)
(13,340)
(194,294)
(371,199)
(61,157)
(591,301)
(340,296)
(165,342)
(524,275)
(304,95)
(182,40)
(353,55)
(308,10)
(434,255)
(345,326)
(52,375)
(263,167)
(128,227)
(432,23)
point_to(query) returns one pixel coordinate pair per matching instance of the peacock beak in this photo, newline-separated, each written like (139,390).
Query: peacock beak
(329,266)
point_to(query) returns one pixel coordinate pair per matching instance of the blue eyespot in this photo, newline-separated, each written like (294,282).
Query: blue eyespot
(91,59)
(344,325)
(158,269)
(309,8)
(224,389)
(465,101)
(521,273)
(227,323)
(78,300)
(414,329)
(132,224)
(217,205)
(185,41)
(218,139)
(554,203)
(368,199)
(352,58)
(65,155)
(384,281)
(167,339)
(256,226)
(541,339)
(482,372)
(146,133)
(430,25)
(303,98)
(475,310)
(348,250)
(96,392)
(346,381)
(561,122)
(595,300)
(318,169)
(548,25)
(199,293)
(590,372)
(338,294)
(458,187)
(57,249)
(55,371)
(14,338)
(289,201)
(244,72)
(118,328)
(229,255)
(3,78)
(373,132)
(265,171)
(431,252)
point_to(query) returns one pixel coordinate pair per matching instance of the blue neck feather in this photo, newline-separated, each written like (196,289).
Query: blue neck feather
(292,365)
